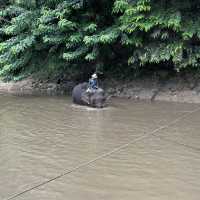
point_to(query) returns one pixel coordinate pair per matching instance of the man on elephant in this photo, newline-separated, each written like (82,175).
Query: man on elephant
(89,93)
(93,84)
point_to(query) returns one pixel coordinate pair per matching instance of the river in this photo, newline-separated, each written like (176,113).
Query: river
(51,149)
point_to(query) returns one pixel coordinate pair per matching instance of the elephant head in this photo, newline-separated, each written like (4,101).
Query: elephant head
(94,99)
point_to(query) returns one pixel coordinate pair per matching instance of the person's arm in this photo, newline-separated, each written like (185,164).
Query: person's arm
(96,84)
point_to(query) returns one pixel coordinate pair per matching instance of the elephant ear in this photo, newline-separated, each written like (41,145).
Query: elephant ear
(100,91)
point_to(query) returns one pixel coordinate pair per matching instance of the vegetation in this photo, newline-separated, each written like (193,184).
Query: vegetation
(62,37)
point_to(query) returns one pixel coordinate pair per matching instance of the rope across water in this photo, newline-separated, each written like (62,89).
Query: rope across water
(146,135)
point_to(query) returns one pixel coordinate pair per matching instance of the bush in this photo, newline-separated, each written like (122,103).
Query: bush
(119,36)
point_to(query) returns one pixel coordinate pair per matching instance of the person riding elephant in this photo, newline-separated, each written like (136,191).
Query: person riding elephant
(93,84)
(89,94)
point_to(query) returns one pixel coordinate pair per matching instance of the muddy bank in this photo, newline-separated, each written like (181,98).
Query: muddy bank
(176,89)
(31,86)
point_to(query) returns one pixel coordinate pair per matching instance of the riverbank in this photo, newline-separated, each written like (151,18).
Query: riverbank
(32,86)
(175,89)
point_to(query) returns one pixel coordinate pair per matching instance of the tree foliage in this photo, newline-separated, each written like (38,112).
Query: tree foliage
(64,35)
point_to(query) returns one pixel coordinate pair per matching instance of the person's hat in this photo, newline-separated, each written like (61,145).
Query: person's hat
(94,75)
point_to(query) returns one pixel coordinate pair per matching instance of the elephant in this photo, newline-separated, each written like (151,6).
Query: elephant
(94,99)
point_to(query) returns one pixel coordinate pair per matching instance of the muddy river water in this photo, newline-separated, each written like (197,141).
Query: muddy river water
(51,149)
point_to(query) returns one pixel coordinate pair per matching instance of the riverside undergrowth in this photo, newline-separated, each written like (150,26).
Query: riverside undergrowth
(117,37)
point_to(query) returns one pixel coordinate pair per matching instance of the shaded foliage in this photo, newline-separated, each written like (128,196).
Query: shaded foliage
(64,36)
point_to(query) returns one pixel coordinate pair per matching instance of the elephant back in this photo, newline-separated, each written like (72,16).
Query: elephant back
(78,91)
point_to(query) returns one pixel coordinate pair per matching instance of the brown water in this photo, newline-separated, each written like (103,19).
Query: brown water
(51,149)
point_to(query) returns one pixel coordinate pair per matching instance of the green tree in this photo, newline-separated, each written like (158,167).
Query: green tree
(62,36)
(161,31)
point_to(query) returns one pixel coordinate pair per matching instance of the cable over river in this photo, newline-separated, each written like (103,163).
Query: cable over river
(51,149)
